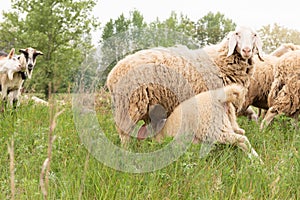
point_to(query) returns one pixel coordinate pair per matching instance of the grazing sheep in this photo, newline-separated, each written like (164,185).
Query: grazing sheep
(208,116)
(285,90)
(168,76)
(260,85)
(262,79)
(284,48)
(9,64)
(27,60)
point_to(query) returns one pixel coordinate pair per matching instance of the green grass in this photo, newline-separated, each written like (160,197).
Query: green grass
(226,173)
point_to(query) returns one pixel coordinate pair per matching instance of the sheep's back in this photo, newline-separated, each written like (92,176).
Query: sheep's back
(158,76)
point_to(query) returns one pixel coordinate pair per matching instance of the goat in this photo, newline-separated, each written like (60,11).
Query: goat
(27,60)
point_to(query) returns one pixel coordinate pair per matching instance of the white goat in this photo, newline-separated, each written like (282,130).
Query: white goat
(27,60)
(9,64)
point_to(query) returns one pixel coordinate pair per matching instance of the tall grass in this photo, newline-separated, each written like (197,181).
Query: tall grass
(226,173)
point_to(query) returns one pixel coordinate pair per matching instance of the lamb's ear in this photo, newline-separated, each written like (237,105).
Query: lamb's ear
(158,115)
(232,42)
(11,53)
(159,125)
(258,45)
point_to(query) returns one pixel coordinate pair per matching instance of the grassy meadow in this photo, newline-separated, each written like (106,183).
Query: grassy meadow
(226,173)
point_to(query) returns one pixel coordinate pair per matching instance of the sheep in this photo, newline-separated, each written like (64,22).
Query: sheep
(262,79)
(206,117)
(27,60)
(285,90)
(284,48)
(168,76)
(9,64)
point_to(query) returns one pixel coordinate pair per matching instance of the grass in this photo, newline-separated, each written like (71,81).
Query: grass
(226,173)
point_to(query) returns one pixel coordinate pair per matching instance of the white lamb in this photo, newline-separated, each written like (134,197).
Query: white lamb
(168,76)
(207,117)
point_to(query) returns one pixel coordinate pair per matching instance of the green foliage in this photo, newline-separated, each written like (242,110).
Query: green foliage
(274,35)
(212,28)
(60,29)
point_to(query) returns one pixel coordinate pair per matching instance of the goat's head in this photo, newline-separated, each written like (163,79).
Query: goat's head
(28,59)
(246,42)
(10,64)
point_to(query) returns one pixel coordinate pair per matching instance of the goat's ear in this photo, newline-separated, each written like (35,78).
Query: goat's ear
(11,53)
(39,53)
(232,42)
(258,45)
(23,51)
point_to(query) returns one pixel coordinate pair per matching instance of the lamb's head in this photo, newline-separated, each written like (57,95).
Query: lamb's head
(246,42)
(28,59)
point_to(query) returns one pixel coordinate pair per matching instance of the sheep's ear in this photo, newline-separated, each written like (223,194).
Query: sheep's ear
(258,44)
(232,42)
(11,53)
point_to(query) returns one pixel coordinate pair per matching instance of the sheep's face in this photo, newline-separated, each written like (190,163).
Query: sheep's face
(29,59)
(246,42)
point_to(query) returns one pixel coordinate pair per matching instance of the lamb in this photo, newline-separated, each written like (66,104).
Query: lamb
(27,60)
(9,64)
(285,90)
(207,117)
(168,76)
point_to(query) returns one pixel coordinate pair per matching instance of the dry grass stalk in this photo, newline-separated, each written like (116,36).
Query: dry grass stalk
(12,168)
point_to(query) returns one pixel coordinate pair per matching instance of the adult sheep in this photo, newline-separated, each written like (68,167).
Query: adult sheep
(284,96)
(168,76)
(263,77)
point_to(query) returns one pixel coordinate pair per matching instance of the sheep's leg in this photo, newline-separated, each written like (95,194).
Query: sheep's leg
(239,140)
(124,137)
(271,113)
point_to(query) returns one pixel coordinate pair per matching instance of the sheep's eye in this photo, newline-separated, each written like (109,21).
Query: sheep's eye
(254,35)
(236,33)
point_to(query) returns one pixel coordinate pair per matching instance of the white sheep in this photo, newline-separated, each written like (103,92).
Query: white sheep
(284,96)
(27,60)
(207,117)
(168,76)
(10,64)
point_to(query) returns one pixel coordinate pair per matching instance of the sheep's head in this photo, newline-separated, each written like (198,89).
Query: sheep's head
(28,59)
(246,42)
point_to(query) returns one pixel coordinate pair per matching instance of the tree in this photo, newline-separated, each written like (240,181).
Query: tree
(212,28)
(60,29)
(274,35)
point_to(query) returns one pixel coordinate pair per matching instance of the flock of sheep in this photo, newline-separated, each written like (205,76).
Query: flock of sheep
(14,70)
(179,91)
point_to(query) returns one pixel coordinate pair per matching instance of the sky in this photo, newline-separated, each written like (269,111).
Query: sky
(253,13)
